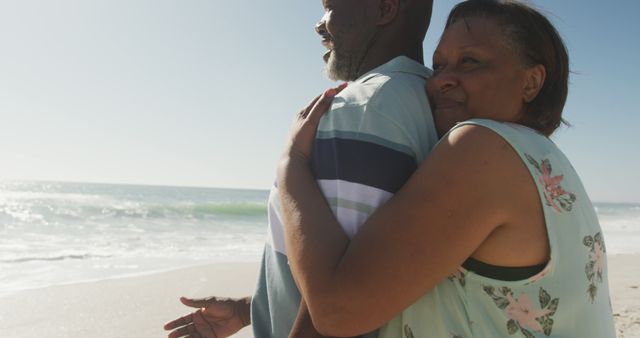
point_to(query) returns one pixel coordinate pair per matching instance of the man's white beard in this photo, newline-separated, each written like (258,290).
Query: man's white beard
(341,67)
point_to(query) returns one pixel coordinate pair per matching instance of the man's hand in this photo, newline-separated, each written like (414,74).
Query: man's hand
(215,318)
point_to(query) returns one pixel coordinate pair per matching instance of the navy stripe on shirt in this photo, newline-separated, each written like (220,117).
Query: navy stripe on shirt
(362,162)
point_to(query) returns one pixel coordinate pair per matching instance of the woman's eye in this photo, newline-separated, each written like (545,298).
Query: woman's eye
(437,68)
(468,61)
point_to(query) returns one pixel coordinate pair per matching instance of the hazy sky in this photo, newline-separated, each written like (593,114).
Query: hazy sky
(201,93)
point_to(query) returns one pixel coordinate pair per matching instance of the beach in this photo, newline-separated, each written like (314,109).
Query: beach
(104,260)
(136,307)
(624,281)
(132,307)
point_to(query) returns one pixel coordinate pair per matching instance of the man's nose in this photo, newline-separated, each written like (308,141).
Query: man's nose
(321,28)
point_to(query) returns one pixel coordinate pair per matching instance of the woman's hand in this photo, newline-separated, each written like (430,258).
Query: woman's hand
(306,123)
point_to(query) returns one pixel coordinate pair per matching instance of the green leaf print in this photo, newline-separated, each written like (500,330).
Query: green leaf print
(501,303)
(488,289)
(588,241)
(512,326)
(588,269)
(547,326)
(526,333)
(505,291)
(459,277)
(407,331)
(592,291)
(546,164)
(540,320)
(596,265)
(553,307)
(533,162)
(566,203)
(598,239)
(544,298)
(522,314)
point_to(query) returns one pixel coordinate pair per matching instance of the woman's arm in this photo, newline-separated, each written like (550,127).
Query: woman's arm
(437,220)
(303,326)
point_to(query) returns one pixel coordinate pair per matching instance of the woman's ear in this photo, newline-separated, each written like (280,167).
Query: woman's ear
(388,11)
(534,81)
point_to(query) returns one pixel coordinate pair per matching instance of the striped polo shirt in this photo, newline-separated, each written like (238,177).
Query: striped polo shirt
(369,143)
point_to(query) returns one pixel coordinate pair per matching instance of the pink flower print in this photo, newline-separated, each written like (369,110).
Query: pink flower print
(522,316)
(521,310)
(594,268)
(598,257)
(555,195)
(552,188)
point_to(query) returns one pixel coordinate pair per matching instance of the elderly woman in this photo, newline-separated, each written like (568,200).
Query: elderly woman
(494,234)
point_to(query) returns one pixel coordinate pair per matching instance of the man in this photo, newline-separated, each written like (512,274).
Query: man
(376,133)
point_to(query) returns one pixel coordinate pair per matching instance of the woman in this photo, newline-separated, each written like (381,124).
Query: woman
(494,234)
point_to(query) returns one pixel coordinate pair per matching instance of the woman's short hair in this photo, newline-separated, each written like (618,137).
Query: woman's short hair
(536,40)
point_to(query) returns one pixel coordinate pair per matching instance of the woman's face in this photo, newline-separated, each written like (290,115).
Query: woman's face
(476,75)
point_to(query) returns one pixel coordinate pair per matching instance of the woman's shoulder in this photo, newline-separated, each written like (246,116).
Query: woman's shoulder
(501,127)
(479,135)
(519,137)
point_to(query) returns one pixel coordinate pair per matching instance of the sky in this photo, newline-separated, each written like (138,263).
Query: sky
(201,93)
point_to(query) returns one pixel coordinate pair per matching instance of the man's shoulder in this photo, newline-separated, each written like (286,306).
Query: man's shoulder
(381,90)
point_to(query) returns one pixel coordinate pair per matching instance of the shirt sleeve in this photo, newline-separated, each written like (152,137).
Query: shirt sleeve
(362,156)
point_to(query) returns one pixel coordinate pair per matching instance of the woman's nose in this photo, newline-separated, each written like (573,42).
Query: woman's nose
(443,81)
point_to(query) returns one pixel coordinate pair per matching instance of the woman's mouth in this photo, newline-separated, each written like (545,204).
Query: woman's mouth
(445,104)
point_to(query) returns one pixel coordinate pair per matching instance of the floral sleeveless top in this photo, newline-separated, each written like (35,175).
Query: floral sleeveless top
(568,298)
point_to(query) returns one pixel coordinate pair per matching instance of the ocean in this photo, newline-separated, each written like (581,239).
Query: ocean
(55,233)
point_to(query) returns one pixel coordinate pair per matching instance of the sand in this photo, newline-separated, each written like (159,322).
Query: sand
(137,307)
(624,281)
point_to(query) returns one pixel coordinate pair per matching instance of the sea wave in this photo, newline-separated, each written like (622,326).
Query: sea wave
(200,210)
(52,258)
(132,210)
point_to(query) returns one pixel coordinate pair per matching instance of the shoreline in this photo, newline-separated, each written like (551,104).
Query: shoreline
(138,274)
(138,306)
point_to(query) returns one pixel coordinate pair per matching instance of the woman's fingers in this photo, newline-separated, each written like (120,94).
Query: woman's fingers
(305,111)
(321,103)
(306,123)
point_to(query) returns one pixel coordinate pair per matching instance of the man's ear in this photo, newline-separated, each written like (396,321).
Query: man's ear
(534,81)
(388,11)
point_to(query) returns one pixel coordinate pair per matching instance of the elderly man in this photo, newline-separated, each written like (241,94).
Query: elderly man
(377,131)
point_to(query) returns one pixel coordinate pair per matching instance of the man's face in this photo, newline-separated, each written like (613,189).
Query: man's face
(347,29)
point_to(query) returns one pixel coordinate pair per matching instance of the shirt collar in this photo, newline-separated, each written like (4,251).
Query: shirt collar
(401,64)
